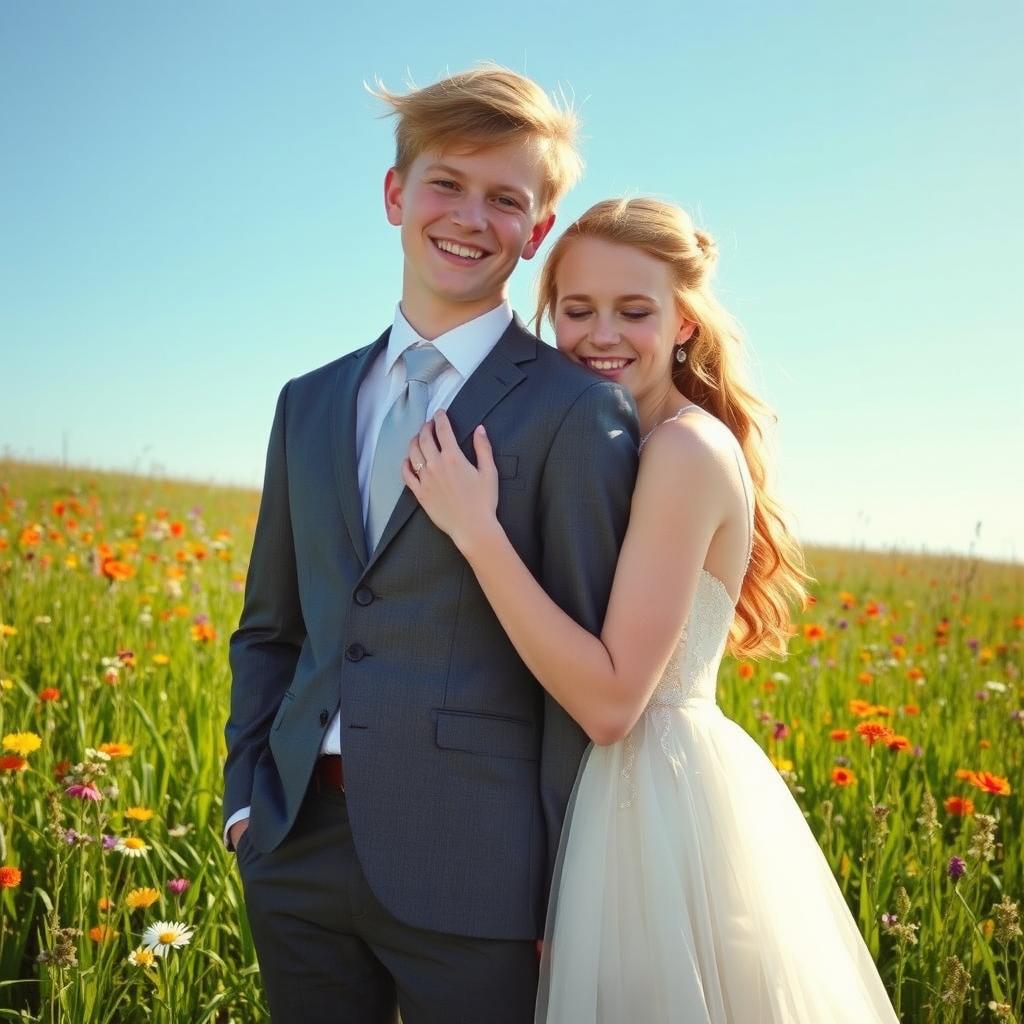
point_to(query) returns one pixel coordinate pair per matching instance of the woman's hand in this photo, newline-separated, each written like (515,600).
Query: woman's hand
(460,498)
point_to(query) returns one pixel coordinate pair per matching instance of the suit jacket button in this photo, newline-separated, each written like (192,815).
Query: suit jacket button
(324,716)
(364,596)
(355,652)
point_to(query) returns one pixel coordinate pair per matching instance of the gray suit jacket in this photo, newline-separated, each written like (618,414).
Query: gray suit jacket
(458,766)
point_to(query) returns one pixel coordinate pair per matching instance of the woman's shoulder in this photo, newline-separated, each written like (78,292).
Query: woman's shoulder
(692,450)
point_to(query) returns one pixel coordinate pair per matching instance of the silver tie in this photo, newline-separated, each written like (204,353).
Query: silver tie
(423,365)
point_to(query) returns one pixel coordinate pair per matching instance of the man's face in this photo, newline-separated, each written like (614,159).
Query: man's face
(466,220)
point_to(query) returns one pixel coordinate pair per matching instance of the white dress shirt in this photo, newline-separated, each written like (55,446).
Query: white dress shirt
(465,348)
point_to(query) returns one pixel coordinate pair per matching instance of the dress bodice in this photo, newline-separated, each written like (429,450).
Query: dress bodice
(692,670)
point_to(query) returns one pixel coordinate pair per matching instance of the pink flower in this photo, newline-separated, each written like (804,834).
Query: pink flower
(178,885)
(84,791)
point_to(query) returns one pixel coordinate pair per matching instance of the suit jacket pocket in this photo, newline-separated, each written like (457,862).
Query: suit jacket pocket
(494,735)
(508,472)
(286,701)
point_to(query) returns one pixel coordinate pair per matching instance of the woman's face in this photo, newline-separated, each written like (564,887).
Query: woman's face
(616,314)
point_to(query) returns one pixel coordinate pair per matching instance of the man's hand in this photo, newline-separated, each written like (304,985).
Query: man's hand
(236,830)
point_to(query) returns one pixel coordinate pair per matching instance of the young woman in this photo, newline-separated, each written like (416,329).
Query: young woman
(688,887)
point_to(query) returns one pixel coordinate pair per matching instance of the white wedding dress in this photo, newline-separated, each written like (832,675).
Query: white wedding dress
(688,887)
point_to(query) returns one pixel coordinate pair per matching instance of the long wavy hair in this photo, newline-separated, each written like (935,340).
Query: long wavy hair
(714,377)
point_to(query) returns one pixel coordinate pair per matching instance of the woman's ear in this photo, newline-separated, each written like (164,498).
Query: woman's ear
(686,330)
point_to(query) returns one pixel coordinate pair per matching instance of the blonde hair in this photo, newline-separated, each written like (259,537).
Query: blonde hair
(487,106)
(713,378)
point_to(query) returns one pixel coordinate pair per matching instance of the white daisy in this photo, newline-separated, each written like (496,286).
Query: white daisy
(131,846)
(142,957)
(165,935)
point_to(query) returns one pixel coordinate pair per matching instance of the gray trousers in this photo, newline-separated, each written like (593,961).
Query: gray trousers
(330,953)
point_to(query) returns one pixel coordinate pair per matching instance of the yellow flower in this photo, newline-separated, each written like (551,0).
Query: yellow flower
(782,763)
(161,659)
(141,898)
(132,846)
(142,957)
(22,742)
(6,684)
(138,813)
(7,630)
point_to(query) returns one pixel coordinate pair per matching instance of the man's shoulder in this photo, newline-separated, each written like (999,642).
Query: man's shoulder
(328,373)
(562,376)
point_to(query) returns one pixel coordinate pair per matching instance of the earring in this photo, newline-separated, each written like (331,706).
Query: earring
(681,355)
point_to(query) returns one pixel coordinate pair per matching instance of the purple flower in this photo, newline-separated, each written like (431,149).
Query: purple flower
(200,619)
(918,750)
(956,868)
(178,885)
(899,639)
(84,791)
(1017,716)
(888,920)
(843,624)
(814,661)
(780,732)
(109,842)
(972,642)
(981,695)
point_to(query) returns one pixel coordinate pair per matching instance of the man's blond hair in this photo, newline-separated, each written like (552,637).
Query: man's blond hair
(487,106)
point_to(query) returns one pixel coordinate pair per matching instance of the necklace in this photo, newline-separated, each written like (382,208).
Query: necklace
(675,416)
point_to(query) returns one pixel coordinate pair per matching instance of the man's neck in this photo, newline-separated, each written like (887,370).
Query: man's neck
(432,319)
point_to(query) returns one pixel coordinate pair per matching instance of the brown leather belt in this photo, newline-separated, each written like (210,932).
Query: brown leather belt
(329,772)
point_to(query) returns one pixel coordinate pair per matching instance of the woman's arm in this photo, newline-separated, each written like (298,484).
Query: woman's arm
(681,499)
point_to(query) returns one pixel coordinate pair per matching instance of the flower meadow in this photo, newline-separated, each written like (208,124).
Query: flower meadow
(897,722)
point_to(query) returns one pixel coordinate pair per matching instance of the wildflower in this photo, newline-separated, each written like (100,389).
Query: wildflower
(165,935)
(138,813)
(131,846)
(1003,1011)
(117,570)
(959,806)
(142,957)
(897,743)
(109,842)
(65,951)
(782,763)
(23,743)
(983,842)
(103,904)
(13,763)
(990,783)
(888,920)
(83,791)
(865,678)
(843,777)
(839,735)
(859,707)
(50,693)
(203,632)
(117,749)
(141,898)
(873,732)
(956,868)
(180,830)
(995,687)
(781,731)
(911,709)
(813,631)
(928,819)
(10,877)
(103,933)
(956,982)
(178,885)
(1007,920)
(745,670)
(160,659)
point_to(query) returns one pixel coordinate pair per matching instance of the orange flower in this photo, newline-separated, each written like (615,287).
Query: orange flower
(911,709)
(860,708)
(30,536)
(177,528)
(813,631)
(203,632)
(745,670)
(964,773)
(915,673)
(117,749)
(865,678)
(13,763)
(839,735)
(898,743)
(990,783)
(874,732)
(118,570)
(50,693)
(959,806)
(984,744)
(9,877)
(103,933)
(846,599)
(872,609)
(843,777)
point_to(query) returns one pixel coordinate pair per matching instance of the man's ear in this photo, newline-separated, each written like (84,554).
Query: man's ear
(537,236)
(393,190)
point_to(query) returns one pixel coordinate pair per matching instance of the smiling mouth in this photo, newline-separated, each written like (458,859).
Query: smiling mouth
(469,253)
(605,364)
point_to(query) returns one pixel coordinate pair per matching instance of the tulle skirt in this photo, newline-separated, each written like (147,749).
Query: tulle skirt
(689,889)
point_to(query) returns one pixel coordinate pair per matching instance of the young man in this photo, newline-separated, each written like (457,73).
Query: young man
(396,780)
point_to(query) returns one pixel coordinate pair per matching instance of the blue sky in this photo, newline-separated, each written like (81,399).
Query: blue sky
(190,214)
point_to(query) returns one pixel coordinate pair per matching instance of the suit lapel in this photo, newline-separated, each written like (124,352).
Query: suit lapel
(492,380)
(351,372)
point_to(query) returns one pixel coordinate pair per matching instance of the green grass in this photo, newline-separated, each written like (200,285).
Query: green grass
(920,641)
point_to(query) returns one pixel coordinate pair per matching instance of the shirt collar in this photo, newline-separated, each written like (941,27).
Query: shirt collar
(465,346)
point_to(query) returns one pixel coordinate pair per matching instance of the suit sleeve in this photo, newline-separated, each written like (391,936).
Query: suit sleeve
(586,491)
(264,649)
